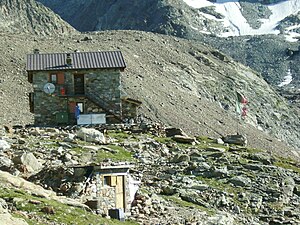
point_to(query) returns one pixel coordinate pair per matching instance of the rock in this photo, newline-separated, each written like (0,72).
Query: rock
(91,148)
(184,139)
(64,144)
(4,145)
(5,163)
(91,135)
(52,130)
(21,141)
(288,186)
(69,137)
(193,197)
(60,150)
(252,166)
(297,190)
(7,218)
(220,141)
(3,206)
(167,190)
(216,173)
(215,149)
(262,157)
(8,129)
(29,161)
(172,131)
(202,166)
(235,139)
(240,181)
(200,187)
(181,158)
(221,219)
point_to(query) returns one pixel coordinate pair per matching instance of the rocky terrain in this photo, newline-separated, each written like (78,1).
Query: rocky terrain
(196,178)
(30,17)
(181,83)
(183,180)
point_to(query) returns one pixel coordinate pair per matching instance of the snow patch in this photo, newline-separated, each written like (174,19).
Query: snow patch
(234,19)
(287,79)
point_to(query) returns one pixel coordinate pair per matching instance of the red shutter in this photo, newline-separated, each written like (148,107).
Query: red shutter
(60,78)
(72,106)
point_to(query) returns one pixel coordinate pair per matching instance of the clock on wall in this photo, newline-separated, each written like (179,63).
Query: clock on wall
(49,88)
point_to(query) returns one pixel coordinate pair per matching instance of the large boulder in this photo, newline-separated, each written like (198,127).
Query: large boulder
(181,158)
(4,145)
(184,139)
(236,139)
(91,135)
(29,161)
(172,131)
(240,181)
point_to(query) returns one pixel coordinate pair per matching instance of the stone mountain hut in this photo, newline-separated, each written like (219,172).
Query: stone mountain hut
(78,88)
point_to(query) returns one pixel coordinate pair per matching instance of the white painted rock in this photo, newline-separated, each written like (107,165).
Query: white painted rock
(91,135)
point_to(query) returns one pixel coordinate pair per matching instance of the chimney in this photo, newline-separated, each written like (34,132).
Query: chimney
(36,51)
(69,60)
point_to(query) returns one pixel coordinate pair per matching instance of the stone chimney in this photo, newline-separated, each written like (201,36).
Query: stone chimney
(68,59)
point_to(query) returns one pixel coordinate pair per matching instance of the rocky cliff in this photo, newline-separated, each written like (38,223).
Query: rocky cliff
(266,54)
(29,16)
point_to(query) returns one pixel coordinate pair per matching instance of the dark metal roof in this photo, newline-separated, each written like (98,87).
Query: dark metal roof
(80,60)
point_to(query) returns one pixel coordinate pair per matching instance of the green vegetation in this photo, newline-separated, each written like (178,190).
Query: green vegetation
(177,200)
(119,136)
(115,153)
(61,213)
(253,150)
(287,164)
(204,139)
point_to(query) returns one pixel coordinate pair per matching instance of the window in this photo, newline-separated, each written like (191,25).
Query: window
(110,181)
(57,78)
(53,78)
(80,106)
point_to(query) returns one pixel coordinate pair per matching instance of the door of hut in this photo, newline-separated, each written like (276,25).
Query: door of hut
(79,84)
(120,192)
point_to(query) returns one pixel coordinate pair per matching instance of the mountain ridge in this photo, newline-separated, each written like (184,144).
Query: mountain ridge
(29,16)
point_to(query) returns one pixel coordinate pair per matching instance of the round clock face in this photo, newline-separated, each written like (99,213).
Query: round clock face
(49,88)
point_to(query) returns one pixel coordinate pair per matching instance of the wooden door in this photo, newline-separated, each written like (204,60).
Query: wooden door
(120,192)
(79,84)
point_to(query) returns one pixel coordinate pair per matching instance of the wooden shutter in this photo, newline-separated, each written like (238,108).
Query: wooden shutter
(60,78)
(72,106)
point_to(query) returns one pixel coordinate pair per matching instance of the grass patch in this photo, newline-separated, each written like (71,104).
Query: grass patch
(287,164)
(119,136)
(178,201)
(115,153)
(164,140)
(253,150)
(63,214)
(205,139)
